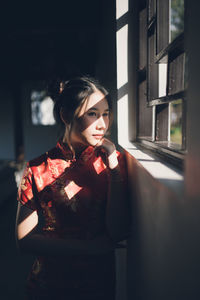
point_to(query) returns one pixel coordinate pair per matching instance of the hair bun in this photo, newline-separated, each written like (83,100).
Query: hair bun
(55,88)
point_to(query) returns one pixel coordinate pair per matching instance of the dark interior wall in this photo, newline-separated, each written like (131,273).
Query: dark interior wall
(45,39)
(158,262)
(192,164)
(37,139)
(38,44)
(193,108)
(7,124)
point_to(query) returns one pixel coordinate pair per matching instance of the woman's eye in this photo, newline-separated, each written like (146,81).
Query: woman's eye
(92,114)
(95,114)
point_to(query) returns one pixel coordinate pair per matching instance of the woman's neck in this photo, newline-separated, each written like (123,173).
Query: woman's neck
(77,147)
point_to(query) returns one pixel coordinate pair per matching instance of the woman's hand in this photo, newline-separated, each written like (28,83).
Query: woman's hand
(107,150)
(106,145)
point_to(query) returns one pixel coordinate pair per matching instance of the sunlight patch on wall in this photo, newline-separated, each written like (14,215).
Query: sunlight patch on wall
(122,120)
(155,168)
(162,79)
(140,155)
(160,171)
(122,56)
(121,8)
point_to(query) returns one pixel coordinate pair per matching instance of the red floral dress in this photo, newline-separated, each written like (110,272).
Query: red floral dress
(71,196)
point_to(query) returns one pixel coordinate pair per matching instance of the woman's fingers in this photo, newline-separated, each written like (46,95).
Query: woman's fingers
(105,146)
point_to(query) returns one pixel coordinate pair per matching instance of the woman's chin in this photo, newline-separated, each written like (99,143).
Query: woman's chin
(93,144)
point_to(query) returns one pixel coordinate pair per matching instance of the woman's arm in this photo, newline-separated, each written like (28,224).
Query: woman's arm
(31,240)
(118,211)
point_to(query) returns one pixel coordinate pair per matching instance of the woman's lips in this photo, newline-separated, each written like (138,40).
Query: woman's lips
(98,136)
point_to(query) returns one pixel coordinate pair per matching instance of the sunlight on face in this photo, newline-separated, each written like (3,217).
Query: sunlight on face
(93,120)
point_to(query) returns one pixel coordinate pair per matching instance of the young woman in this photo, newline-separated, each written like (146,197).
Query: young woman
(73,204)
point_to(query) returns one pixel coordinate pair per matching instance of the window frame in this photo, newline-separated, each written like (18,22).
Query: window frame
(170,50)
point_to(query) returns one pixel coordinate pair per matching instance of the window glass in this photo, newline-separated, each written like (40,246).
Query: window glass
(41,108)
(176,74)
(162,25)
(145,113)
(142,39)
(162,117)
(175,108)
(176,18)
(153,89)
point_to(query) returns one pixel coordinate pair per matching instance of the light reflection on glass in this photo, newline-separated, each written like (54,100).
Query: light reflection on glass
(177,18)
(41,108)
(176,121)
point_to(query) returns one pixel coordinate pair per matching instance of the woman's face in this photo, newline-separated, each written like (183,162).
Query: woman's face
(92,122)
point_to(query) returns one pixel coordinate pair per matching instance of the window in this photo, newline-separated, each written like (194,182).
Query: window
(41,108)
(162,76)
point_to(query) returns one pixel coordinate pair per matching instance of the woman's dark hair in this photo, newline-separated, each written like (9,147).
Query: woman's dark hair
(69,96)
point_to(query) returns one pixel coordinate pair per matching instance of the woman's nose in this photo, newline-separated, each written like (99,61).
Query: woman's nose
(100,123)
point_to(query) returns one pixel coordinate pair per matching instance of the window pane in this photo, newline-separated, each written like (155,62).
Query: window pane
(176,122)
(176,74)
(143,40)
(162,122)
(153,90)
(162,24)
(186,71)
(145,113)
(176,18)
(41,108)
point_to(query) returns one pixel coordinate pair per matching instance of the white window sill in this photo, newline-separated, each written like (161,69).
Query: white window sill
(161,171)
